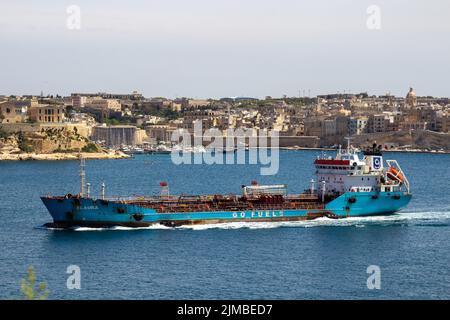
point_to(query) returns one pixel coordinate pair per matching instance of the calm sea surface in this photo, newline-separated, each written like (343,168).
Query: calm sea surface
(324,259)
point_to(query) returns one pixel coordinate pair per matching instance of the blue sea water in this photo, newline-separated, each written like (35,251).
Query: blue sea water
(321,259)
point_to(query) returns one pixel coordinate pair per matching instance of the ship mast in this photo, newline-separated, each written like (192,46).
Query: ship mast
(348,143)
(82,175)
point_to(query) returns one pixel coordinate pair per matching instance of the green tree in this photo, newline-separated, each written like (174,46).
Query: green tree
(3,134)
(91,148)
(30,291)
(23,144)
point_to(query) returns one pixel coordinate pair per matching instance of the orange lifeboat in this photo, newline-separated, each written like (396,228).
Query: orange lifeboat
(394,174)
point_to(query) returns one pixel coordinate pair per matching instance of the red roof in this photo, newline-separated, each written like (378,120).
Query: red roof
(333,162)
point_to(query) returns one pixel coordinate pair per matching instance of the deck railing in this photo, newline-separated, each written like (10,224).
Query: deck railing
(394,164)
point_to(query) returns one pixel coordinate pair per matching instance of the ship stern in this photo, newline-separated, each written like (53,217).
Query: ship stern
(352,204)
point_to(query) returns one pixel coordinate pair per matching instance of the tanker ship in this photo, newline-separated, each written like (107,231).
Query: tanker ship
(346,185)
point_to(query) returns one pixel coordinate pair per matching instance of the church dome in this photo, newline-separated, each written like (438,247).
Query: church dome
(411,98)
(411,93)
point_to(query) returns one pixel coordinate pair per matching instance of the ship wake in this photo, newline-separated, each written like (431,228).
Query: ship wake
(425,218)
(406,218)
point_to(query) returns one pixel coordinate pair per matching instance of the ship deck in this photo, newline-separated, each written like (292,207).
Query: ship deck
(171,204)
(215,203)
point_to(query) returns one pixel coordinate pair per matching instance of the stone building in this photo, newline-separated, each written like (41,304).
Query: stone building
(51,113)
(78,101)
(159,132)
(377,123)
(357,125)
(443,122)
(104,104)
(16,110)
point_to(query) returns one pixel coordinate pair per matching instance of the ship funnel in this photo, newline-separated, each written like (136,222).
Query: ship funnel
(374,158)
(375,162)
(164,189)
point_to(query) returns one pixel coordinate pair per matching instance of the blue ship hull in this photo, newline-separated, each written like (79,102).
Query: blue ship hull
(68,212)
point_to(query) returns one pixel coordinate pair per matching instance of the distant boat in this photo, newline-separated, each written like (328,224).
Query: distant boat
(132,150)
(187,149)
(137,150)
(222,150)
(161,149)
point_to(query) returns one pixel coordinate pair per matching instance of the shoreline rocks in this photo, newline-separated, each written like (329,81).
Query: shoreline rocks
(62,156)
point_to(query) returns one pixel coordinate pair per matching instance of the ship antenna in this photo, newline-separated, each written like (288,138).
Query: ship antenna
(348,143)
(103,191)
(82,175)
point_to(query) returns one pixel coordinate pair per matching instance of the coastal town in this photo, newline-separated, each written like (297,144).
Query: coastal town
(108,125)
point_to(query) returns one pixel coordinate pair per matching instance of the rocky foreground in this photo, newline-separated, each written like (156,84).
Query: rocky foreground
(62,156)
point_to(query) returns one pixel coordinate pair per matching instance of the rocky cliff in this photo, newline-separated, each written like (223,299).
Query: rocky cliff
(51,144)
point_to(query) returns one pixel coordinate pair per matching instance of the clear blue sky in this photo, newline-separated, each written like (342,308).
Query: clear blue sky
(204,48)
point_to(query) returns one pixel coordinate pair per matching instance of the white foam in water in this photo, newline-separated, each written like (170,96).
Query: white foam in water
(87,229)
(359,222)
(413,218)
(119,228)
(153,227)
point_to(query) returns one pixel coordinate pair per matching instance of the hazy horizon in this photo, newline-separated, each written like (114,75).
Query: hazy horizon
(205,49)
